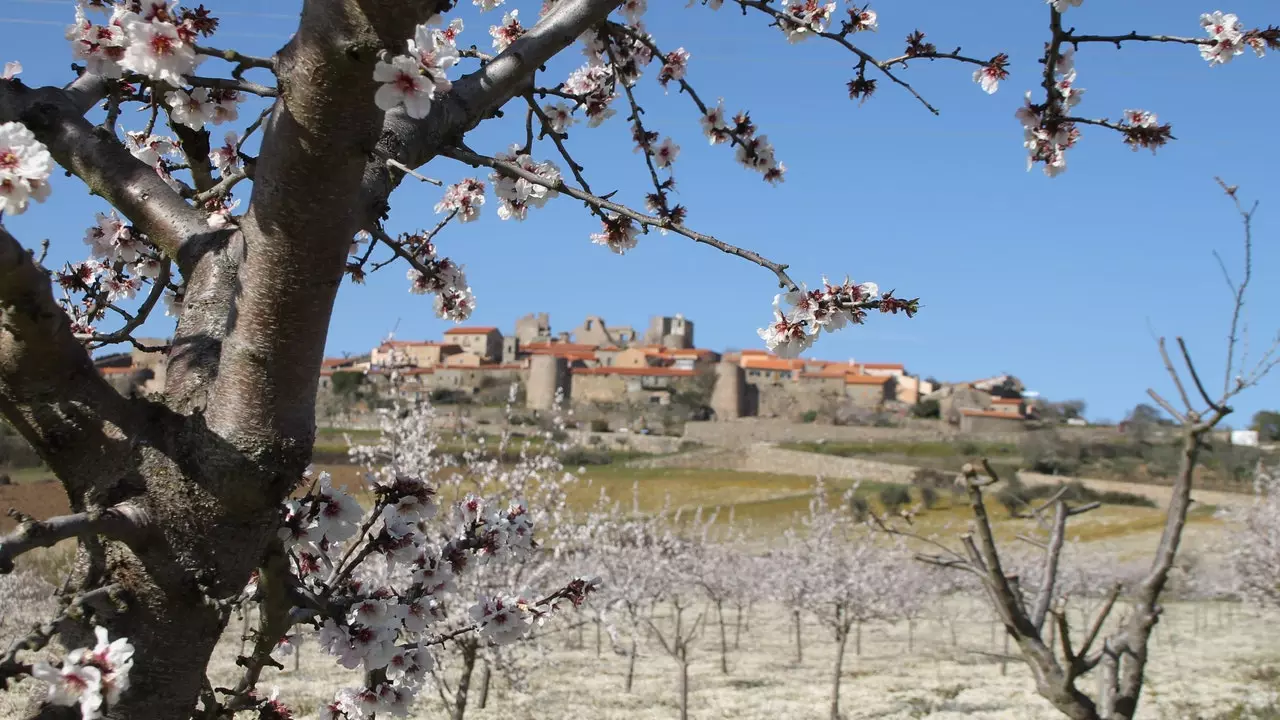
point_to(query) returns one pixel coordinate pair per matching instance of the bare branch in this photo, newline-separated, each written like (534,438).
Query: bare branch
(1053,553)
(473,158)
(126,522)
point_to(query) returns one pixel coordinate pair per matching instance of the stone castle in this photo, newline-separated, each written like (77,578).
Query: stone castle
(597,364)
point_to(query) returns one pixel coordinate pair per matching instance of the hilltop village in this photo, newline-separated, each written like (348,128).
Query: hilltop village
(603,367)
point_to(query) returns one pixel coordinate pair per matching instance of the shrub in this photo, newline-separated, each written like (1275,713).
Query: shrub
(931,478)
(929,497)
(585,456)
(926,409)
(599,425)
(893,497)
(859,508)
(809,416)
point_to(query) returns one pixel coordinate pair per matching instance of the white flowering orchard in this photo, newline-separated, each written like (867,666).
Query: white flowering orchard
(219,203)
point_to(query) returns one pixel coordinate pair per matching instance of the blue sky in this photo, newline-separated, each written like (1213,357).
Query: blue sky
(1060,281)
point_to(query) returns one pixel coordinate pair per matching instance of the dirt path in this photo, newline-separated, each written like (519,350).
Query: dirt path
(768,458)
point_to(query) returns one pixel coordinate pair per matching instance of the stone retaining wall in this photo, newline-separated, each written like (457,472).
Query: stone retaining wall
(747,431)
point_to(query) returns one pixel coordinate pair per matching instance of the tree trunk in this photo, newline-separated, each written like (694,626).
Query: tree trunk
(464,680)
(737,629)
(911,635)
(842,639)
(1004,656)
(724,639)
(631,664)
(795,614)
(485,674)
(858,638)
(598,642)
(684,685)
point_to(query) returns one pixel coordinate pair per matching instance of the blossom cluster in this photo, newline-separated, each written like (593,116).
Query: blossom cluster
(390,577)
(91,678)
(464,198)
(153,38)
(516,194)
(830,308)
(1047,135)
(414,79)
(121,262)
(25,165)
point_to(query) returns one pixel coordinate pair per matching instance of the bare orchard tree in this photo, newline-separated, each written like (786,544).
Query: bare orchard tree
(176,498)
(1034,614)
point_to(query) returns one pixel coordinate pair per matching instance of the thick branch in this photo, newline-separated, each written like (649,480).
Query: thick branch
(49,389)
(97,157)
(126,522)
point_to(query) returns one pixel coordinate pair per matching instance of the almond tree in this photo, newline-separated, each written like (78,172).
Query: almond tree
(1033,613)
(175,498)
(1255,546)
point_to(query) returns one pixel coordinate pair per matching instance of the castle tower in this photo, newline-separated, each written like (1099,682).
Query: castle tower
(728,392)
(547,374)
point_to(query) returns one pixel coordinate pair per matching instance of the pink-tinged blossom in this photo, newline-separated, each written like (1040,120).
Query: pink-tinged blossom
(465,198)
(559,116)
(517,194)
(12,69)
(713,125)
(91,678)
(805,18)
(501,620)
(990,75)
(785,338)
(456,305)
(619,234)
(675,68)
(226,157)
(1227,33)
(487,5)
(435,53)
(192,109)
(150,149)
(665,153)
(594,84)
(156,50)
(403,83)
(863,20)
(508,32)
(25,165)
(102,47)
(1062,5)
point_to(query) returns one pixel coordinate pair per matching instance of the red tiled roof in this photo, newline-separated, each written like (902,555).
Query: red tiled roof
(1006,401)
(830,371)
(770,363)
(641,371)
(884,366)
(470,330)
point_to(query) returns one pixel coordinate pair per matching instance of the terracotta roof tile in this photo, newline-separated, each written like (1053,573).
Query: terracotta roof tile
(470,330)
